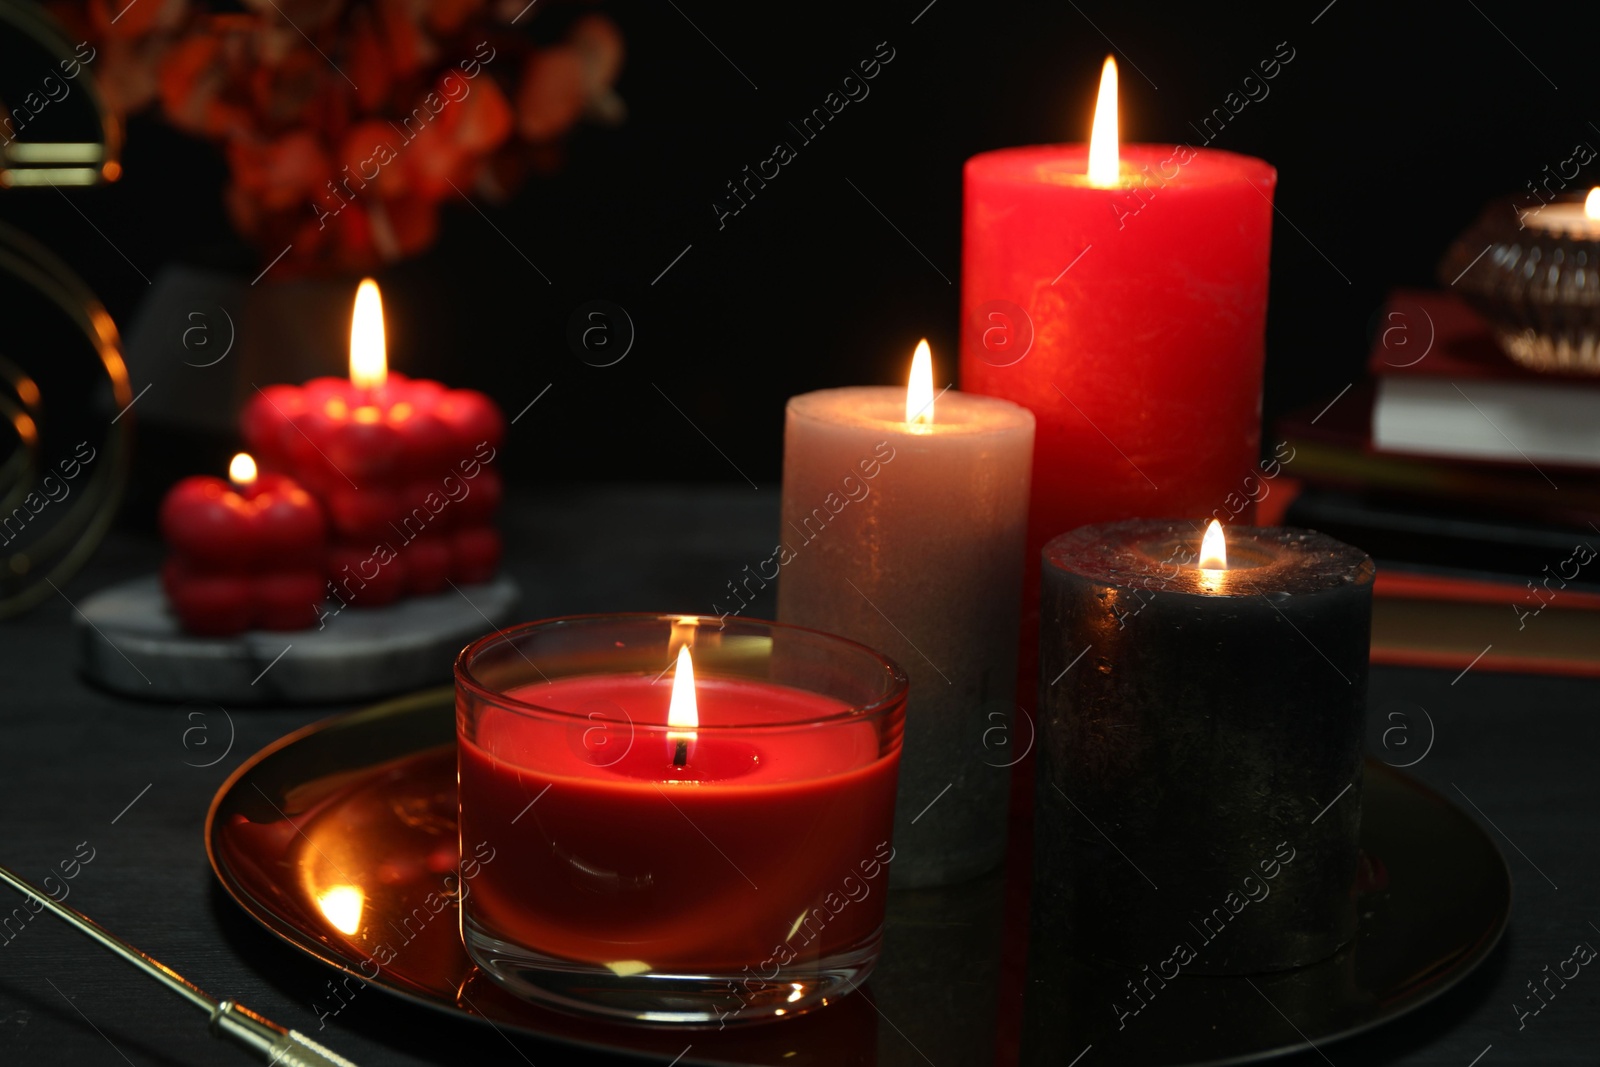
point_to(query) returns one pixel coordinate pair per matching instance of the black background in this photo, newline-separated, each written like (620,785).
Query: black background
(1390,128)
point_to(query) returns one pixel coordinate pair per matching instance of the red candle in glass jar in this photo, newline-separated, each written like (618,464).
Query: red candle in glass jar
(673,850)
(401,466)
(680,852)
(1121,296)
(249,554)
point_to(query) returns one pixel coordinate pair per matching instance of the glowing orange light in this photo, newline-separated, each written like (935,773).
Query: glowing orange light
(27,390)
(919,387)
(242,471)
(342,906)
(1591,204)
(1104,167)
(369,361)
(1214,549)
(684,629)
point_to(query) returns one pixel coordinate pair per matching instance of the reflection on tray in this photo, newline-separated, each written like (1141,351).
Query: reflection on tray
(342,841)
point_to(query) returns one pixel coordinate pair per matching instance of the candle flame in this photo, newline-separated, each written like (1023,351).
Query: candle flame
(682,711)
(369,362)
(1214,549)
(1104,167)
(242,470)
(919,387)
(1591,204)
(342,906)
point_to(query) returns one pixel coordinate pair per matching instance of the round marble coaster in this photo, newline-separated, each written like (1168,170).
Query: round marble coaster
(129,642)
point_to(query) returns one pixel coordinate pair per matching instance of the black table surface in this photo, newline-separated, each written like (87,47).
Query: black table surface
(83,770)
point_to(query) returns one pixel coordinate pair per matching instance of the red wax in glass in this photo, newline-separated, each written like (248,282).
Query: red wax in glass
(716,864)
(403,472)
(243,558)
(1144,370)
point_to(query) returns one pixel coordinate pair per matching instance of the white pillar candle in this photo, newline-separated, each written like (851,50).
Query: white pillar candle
(904,517)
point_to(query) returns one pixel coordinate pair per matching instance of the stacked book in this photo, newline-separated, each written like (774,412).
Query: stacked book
(1475,485)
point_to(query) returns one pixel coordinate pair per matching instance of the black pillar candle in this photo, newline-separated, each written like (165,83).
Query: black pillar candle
(1200,746)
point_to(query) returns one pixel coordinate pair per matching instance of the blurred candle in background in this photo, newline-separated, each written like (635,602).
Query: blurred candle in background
(903,521)
(401,466)
(246,553)
(1577,218)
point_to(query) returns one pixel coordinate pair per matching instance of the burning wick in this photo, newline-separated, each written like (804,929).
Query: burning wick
(369,361)
(1105,170)
(1213,566)
(1214,549)
(682,711)
(242,471)
(919,388)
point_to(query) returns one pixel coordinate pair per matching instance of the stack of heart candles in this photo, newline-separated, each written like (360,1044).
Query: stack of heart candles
(391,477)
(398,464)
(248,553)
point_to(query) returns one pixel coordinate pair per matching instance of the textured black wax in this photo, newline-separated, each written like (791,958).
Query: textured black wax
(1200,737)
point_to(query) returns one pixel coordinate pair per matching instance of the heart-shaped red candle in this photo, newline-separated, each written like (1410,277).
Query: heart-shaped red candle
(250,554)
(400,466)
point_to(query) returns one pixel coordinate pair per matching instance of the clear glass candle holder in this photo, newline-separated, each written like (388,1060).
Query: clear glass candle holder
(635,869)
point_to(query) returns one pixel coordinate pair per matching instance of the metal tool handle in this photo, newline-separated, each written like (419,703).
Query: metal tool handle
(298,1050)
(271,1042)
(274,1044)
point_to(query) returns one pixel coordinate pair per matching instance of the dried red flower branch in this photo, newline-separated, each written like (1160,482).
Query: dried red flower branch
(345,123)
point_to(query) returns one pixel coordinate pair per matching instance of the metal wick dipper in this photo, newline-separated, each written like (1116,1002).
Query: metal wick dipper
(269,1041)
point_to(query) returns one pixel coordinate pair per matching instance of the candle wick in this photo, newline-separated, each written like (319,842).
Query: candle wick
(681,755)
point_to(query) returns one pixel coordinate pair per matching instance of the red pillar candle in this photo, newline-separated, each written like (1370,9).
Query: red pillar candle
(244,555)
(401,466)
(1126,308)
(673,849)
